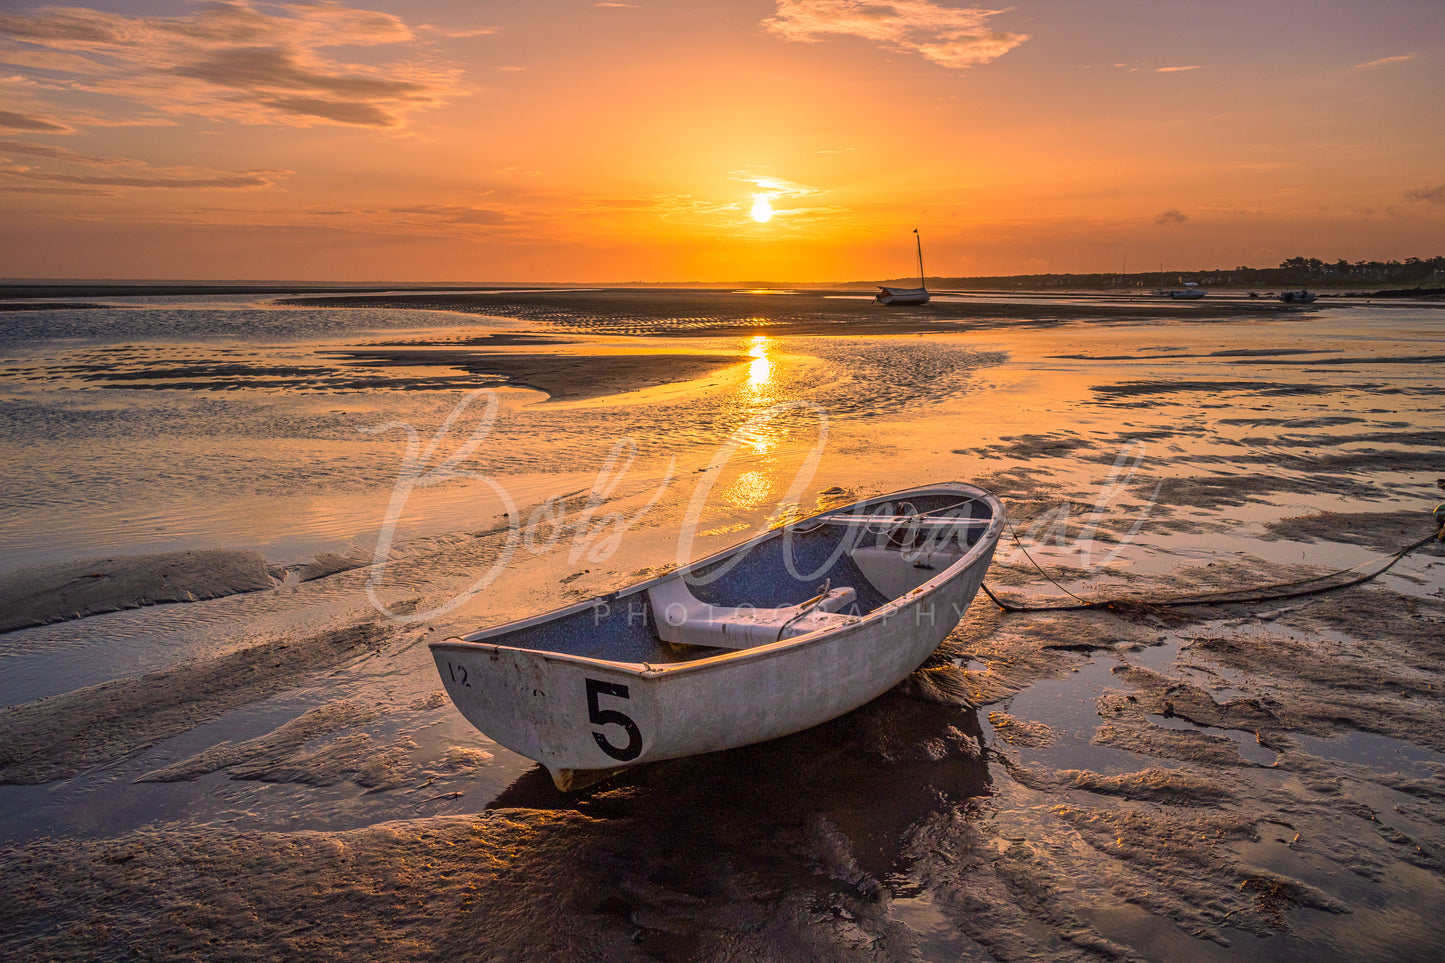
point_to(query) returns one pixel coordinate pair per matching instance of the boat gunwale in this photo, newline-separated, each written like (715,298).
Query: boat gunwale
(473,642)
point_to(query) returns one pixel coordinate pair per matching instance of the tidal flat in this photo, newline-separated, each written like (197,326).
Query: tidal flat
(233,524)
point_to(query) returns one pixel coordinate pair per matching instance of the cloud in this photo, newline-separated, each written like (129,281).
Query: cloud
(1385,60)
(13,121)
(339,111)
(234,59)
(1175,70)
(1171,217)
(51,152)
(93,180)
(774,187)
(454,214)
(270,68)
(67,171)
(1430,195)
(452,34)
(949,36)
(435,220)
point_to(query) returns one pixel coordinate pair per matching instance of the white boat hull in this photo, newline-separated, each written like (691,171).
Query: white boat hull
(583,718)
(902,296)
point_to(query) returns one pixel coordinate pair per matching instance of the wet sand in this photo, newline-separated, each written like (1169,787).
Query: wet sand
(689,313)
(1256,782)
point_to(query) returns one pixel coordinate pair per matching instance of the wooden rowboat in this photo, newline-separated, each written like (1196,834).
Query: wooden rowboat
(785,631)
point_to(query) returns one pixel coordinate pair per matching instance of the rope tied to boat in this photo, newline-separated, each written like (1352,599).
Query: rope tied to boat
(807,607)
(1260,594)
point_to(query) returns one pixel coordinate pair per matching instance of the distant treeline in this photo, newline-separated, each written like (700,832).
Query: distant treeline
(1296,272)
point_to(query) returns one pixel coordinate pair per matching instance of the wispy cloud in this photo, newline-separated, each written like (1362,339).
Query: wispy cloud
(453,214)
(1171,216)
(1430,195)
(774,187)
(14,121)
(430,220)
(1133,68)
(51,152)
(456,34)
(167,181)
(949,36)
(1385,60)
(232,60)
(67,171)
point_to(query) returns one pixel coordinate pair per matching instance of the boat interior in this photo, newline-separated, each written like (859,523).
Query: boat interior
(818,573)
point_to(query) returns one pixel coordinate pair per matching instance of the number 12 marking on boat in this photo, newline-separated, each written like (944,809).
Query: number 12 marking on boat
(599,716)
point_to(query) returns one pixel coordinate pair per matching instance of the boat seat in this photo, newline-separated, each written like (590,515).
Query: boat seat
(682,618)
(895,573)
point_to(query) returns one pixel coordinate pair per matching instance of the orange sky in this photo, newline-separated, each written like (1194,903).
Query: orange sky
(442,140)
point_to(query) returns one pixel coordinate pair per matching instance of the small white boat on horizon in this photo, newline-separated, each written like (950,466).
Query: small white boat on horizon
(907,296)
(1298,297)
(1190,292)
(786,631)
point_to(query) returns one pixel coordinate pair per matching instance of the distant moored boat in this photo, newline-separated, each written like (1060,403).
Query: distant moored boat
(907,296)
(1297,297)
(1190,292)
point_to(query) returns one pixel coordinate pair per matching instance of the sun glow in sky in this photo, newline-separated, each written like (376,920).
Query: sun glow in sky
(712,140)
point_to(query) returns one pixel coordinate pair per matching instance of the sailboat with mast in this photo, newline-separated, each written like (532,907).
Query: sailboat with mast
(906,296)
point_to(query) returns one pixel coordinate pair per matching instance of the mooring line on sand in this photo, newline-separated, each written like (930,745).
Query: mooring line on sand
(1223,597)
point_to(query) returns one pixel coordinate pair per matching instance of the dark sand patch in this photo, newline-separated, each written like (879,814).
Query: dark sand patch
(564,377)
(326,564)
(98,725)
(1326,421)
(492,340)
(71,590)
(1380,531)
(49,306)
(154,370)
(274,747)
(1029,446)
(1130,390)
(1266,356)
(1235,490)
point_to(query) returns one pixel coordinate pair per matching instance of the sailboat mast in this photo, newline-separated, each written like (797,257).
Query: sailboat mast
(919,238)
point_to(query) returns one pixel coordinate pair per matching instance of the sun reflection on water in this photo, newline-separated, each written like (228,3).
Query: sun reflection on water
(760,372)
(750,489)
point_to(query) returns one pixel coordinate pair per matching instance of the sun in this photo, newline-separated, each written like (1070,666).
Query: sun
(762,210)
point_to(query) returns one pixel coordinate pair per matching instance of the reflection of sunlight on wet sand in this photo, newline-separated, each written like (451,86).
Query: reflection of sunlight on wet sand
(750,489)
(760,372)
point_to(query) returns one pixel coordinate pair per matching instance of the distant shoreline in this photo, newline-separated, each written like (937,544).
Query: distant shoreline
(21,291)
